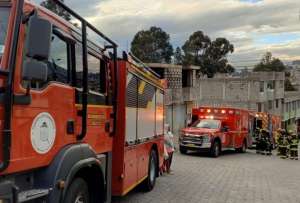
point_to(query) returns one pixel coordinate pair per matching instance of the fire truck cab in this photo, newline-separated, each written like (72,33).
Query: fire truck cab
(216,129)
(76,123)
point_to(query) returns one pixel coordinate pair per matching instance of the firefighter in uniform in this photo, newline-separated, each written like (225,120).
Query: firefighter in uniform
(258,140)
(267,142)
(279,141)
(294,147)
(283,145)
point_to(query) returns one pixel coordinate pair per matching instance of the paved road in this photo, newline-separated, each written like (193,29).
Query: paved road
(231,178)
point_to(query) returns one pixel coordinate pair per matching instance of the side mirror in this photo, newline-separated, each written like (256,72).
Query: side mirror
(35,71)
(38,38)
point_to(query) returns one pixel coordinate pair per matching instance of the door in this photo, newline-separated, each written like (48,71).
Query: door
(99,108)
(42,124)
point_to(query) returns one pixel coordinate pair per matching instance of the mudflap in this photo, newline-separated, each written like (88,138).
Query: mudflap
(8,192)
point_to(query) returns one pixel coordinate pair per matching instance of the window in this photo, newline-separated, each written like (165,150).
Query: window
(96,80)
(58,61)
(270,105)
(79,68)
(281,84)
(4,15)
(271,85)
(208,124)
(58,64)
(259,107)
(262,86)
(277,103)
(94,74)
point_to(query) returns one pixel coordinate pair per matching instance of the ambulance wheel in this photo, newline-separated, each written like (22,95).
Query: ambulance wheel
(182,150)
(150,181)
(216,149)
(243,149)
(77,192)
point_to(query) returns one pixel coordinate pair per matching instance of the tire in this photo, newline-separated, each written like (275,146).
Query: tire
(182,150)
(215,149)
(77,192)
(243,149)
(149,183)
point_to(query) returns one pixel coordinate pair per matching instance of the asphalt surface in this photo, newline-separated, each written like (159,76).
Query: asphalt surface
(231,178)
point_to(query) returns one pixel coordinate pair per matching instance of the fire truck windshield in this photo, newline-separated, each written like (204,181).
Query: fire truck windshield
(207,123)
(4,15)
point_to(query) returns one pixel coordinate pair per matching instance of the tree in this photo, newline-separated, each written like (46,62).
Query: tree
(269,63)
(195,48)
(152,46)
(178,56)
(49,4)
(211,56)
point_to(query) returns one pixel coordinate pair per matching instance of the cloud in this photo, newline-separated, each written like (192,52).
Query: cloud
(254,26)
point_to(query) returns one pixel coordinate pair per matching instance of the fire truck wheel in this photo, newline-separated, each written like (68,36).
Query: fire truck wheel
(216,149)
(77,192)
(152,172)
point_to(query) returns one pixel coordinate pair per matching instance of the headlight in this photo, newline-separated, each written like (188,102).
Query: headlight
(206,139)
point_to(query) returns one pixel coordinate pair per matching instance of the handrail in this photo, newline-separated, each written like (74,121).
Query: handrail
(8,101)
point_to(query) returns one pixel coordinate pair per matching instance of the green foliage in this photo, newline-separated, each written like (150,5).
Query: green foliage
(269,63)
(49,4)
(178,59)
(152,46)
(209,55)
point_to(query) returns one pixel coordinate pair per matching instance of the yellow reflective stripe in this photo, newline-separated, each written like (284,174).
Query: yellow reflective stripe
(142,87)
(134,185)
(94,106)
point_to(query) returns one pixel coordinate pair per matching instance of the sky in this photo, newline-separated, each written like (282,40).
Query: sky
(253,26)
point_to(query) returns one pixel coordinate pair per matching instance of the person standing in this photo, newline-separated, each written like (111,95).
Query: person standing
(294,147)
(169,147)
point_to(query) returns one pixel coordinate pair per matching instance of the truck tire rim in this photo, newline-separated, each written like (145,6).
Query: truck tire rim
(79,199)
(152,170)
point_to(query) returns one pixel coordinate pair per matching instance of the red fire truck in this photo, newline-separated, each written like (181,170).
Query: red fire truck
(216,129)
(77,124)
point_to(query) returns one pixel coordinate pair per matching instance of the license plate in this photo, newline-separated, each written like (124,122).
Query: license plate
(191,145)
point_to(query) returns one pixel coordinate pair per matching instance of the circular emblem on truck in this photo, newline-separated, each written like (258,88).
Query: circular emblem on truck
(43,132)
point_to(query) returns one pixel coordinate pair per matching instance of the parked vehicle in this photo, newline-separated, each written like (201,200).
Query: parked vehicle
(77,125)
(216,129)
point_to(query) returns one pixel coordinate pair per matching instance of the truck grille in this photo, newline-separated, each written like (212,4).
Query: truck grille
(192,140)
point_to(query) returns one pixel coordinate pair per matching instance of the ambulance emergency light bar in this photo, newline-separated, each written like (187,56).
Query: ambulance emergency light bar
(216,111)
